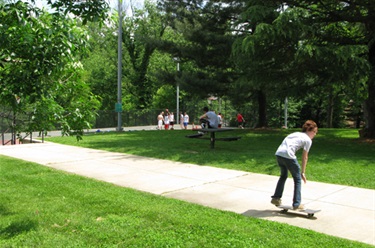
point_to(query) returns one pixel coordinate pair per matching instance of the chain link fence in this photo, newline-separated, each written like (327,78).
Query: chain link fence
(11,126)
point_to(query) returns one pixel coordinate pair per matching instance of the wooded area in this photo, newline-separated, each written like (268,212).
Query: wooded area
(60,66)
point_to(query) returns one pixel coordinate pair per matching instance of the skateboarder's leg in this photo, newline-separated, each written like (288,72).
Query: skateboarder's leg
(204,123)
(281,182)
(295,170)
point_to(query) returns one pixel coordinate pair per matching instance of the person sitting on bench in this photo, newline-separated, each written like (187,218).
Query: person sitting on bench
(208,119)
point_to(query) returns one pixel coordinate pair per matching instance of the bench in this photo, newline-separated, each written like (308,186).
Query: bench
(212,137)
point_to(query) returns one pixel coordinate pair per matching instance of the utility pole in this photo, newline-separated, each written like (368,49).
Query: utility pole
(176,59)
(286,113)
(118,106)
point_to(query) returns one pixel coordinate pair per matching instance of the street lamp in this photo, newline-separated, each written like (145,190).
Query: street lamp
(118,106)
(286,112)
(177,59)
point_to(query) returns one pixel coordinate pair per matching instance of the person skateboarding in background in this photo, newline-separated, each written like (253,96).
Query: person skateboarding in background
(287,161)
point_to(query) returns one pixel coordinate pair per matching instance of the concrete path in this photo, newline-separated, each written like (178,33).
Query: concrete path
(347,212)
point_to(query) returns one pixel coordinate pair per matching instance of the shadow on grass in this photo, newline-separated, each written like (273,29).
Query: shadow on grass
(18,227)
(4,211)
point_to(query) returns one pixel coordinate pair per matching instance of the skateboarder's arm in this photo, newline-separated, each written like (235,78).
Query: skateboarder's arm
(305,156)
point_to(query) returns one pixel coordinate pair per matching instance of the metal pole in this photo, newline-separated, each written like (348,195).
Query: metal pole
(178,96)
(286,113)
(119,70)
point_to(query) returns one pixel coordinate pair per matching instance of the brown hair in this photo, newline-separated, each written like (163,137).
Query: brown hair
(309,126)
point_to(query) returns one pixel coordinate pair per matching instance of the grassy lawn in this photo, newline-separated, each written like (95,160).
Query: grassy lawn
(337,155)
(42,207)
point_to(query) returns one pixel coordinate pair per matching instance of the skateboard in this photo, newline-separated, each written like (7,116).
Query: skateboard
(310,212)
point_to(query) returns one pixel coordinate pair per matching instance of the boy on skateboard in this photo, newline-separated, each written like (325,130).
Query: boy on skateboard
(287,161)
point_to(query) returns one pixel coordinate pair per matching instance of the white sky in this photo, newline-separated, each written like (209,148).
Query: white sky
(112,3)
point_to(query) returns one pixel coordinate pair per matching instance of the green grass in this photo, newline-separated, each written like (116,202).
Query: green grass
(42,207)
(337,155)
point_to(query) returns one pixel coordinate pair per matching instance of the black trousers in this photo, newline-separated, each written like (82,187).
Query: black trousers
(205,123)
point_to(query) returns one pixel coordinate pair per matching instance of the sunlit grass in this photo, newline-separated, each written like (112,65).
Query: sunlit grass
(42,207)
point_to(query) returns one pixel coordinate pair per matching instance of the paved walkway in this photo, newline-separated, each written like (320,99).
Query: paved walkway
(347,212)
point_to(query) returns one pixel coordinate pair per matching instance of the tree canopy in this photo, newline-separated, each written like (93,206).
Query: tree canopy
(319,54)
(40,69)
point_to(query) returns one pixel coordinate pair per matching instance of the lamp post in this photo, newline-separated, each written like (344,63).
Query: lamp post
(118,106)
(286,112)
(176,59)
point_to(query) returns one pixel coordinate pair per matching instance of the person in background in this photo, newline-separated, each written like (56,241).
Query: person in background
(209,119)
(160,120)
(171,120)
(240,120)
(181,120)
(186,120)
(220,120)
(287,161)
(166,120)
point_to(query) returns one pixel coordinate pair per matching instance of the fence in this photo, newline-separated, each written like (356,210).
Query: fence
(134,118)
(11,126)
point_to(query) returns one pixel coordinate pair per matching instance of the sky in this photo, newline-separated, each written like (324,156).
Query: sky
(112,3)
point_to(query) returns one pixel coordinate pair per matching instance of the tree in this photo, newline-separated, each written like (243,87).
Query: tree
(333,46)
(89,10)
(39,55)
(261,61)
(304,51)
(101,63)
(142,31)
(206,46)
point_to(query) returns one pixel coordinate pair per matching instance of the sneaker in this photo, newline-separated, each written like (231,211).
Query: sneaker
(201,133)
(300,207)
(276,201)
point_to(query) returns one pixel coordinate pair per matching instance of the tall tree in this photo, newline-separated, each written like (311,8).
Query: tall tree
(206,29)
(101,63)
(142,31)
(332,46)
(300,47)
(261,62)
(39,55)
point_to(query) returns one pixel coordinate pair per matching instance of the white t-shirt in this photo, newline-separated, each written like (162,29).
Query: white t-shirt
(292,143)
(219,119)
(166,119)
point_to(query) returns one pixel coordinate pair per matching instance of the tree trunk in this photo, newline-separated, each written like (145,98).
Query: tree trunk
(330,111)
(262,109)
(369,106)
(369,130)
